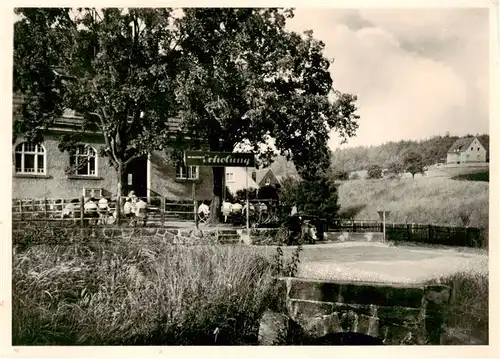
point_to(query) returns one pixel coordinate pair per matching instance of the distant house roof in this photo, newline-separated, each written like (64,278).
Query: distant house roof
(461,144)
(260,175)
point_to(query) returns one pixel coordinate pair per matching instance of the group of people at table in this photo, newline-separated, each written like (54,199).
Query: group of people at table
(100,211)
(236,210)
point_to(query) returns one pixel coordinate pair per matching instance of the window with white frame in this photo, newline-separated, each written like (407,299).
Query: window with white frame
(30,158)
(186,172)
(83,161)
(229,177)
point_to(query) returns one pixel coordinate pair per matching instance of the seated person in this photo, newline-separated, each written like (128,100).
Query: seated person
(71,209)
(236,208)
(103,208)
(128,208)
(203,211)
(141,210)
(90,210)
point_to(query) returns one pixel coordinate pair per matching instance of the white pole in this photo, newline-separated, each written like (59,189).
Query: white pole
(248,206)
(383,214)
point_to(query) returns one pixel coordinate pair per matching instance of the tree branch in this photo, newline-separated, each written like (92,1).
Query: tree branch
(102,126)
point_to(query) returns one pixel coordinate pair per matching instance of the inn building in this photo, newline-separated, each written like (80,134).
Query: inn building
(43,171)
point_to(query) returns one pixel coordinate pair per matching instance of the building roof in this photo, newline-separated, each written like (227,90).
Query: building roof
(261,174)
(461,144)
(70,119)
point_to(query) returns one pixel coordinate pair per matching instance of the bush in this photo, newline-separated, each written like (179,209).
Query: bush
(374,171)
(340,175)
(468,311)
(394,170)
(317,197)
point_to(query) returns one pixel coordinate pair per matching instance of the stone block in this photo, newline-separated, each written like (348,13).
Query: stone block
(438,295)
(308,309)
(320,326)
(359,293)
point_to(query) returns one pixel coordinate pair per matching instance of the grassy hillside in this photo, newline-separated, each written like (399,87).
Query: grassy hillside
(432,149)
(431,200)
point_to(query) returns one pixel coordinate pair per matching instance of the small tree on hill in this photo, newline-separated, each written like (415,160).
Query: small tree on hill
(414,164)
(394,170)
(374,171)
(340,175)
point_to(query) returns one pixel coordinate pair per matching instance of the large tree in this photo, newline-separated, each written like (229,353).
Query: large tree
(250,80)
(113,67)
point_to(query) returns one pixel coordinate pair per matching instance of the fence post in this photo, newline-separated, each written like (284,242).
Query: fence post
(82,199)
(162,211)
(195,214)
(21,210)
(45,209)
(408,232)
(430,233)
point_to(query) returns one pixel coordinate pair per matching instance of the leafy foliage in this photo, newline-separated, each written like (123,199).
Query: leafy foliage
(394,170)
(114,68)
(375,171)
(414,163)
(250,80)
(317,197)
(340,175)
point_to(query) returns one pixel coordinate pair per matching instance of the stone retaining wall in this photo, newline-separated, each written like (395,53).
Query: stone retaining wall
(258,236)
(398,315)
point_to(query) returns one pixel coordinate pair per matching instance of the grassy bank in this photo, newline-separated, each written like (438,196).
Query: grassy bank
(467,317)
(437,201)
(138,293)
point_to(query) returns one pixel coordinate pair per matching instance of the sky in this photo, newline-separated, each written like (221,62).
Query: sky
(417,72)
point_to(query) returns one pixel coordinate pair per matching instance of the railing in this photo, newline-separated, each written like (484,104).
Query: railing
(61,211)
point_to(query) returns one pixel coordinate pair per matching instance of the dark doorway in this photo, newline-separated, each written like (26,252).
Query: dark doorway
(137,176)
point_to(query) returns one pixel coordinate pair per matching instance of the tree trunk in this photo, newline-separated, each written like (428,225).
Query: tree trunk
(215,207)
(121,188)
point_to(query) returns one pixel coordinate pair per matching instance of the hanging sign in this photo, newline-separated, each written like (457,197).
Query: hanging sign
(219,159)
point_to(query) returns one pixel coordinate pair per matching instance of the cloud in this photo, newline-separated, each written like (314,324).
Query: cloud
(417,73)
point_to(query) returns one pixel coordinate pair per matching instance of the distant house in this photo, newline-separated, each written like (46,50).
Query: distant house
(466,150)
(264,177)
(42,171)
(237,178)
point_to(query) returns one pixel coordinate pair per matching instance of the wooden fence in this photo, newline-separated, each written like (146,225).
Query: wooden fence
(162,210)
(420,233)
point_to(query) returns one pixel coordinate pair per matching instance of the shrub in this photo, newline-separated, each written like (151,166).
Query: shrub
(394,170)
(374,171)
(340,175)
(468,311)
(317,197)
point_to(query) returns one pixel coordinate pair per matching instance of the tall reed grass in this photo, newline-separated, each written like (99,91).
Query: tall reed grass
(139,293)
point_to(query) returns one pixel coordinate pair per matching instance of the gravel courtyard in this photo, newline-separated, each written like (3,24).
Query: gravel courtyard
(380,262)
